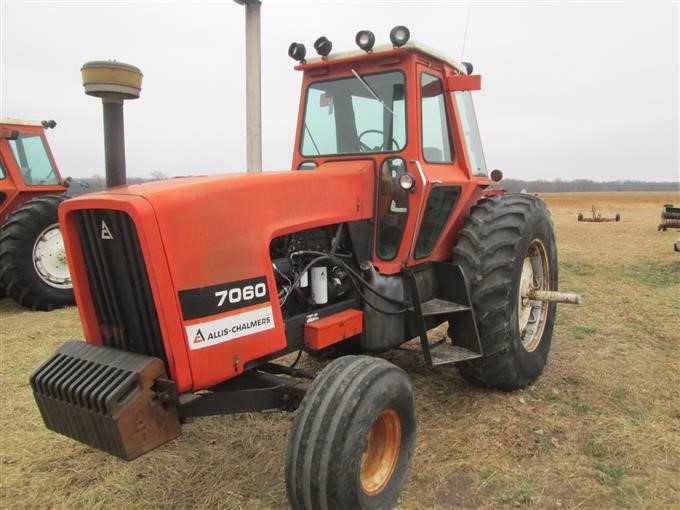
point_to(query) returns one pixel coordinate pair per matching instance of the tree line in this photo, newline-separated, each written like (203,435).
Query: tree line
(98,183)
(558,186)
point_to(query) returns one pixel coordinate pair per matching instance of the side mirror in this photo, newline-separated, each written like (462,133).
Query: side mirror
(458,82)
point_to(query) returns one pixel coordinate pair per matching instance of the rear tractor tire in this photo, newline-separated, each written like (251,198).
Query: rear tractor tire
(506,247)
(33,266)
(353,437)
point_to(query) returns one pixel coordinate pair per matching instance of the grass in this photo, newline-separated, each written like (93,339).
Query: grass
(599,429)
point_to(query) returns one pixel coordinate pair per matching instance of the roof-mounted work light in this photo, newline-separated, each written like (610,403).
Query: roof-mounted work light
(399,36)
(468,67)
(297,51)
(323,47)
(365,40)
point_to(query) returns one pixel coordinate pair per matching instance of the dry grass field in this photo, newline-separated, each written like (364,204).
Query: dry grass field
(599,429)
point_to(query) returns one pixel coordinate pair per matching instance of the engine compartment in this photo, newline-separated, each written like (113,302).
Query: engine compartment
(319,267)
(313,268)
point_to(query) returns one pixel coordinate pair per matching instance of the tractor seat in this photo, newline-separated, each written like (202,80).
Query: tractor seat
(433,155)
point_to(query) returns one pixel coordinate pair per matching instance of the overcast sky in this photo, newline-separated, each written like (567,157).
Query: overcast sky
(569,90)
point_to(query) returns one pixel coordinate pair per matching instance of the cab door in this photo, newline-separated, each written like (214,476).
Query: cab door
(410,221)
(440,175)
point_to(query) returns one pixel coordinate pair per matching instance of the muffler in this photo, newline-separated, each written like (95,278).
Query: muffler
(105,398)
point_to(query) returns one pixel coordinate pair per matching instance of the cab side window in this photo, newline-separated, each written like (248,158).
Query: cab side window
(436,139)
(473,142)
(392,208)
(30,153)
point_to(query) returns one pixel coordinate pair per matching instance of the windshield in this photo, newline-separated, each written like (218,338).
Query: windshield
(31,155)
(361,113)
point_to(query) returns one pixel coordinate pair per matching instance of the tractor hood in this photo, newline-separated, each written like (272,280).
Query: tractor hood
(201,235)
(227,221)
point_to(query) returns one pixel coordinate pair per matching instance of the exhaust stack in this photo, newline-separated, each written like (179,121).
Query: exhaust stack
(113,82)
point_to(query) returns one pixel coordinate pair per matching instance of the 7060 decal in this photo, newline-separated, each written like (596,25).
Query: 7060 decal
(238,294)
(224,297)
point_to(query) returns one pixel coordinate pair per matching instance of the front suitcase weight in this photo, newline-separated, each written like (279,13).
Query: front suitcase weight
(103,397)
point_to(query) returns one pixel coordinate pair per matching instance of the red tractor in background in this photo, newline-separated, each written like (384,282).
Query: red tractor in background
(33,266)
(190,289)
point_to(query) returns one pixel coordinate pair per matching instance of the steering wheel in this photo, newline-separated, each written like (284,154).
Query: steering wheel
(49,175)
(366,148)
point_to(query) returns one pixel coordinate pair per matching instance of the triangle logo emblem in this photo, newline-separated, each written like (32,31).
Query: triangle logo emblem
(106,233)
(199,337)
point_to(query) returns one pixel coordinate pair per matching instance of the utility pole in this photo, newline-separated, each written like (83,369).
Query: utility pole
(253,86)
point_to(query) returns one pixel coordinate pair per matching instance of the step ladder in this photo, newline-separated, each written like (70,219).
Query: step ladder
(452,301)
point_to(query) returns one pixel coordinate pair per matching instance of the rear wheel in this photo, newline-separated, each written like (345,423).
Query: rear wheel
(507,248)
(33,266)
(353,437)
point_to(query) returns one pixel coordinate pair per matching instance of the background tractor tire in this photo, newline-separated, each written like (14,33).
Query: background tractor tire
(500,237)
(352,438)
(29,233)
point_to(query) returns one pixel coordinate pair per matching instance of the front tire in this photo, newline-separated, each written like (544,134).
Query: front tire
(353,437)
(506,247)
(33,266)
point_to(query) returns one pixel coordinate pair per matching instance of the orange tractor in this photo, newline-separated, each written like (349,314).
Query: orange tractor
(191,289)
(33,266)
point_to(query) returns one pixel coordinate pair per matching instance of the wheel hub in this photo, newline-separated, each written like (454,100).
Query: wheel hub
(532,314)
(49,258)
(381,452)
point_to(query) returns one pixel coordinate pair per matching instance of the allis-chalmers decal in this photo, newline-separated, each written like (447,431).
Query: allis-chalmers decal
(235,302)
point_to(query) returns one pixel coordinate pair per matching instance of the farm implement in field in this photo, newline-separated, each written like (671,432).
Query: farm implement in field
(670,217)
(597,217)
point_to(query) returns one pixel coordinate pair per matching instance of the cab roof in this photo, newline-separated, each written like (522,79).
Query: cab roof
(20,122)
(386,49)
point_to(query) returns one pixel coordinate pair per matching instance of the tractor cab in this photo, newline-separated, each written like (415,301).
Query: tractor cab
(27,168)
(33,266)
(409,110)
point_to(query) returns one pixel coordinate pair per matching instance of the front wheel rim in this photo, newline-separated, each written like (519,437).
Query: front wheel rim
(49,258)
(381,452)
(532,314)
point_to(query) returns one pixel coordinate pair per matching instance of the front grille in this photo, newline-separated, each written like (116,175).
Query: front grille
(119,283)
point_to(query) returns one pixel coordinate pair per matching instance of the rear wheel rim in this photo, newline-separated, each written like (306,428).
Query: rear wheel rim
(532,314)
(49,258)
(381,452)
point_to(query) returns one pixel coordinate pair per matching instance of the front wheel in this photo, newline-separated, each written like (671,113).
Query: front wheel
(353,437)
(507,249)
